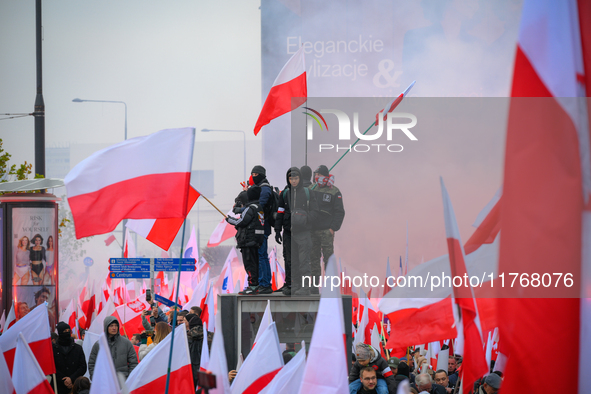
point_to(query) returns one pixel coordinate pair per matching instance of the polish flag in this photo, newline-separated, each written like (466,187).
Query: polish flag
(218,365)
(328,337)
(387,288)
(288,92)
(199,294)
(130,316)
(104,377)
(360,335)
(27,375)
(129,249)
(208,310)
(222,232)
(69,316)
(10,319)
(162,232)
(132,180)
(393,104)
(474,361)
(288,380)
(375,337)
(150,375)
(204,361)
(261,365)
(192,250)
(6,386)
(545,210)
(35,328)
(110,240)
(265,322)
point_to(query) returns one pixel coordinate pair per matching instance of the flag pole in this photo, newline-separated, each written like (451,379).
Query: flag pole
(178,282)
(207,199)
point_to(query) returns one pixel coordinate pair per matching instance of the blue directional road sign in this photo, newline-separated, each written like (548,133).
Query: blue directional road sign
(129,267)
(138,260)
(165,301)
(174,261)
(130,275)
(173,267)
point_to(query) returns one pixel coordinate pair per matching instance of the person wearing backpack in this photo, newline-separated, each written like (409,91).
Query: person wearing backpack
(268,202)
(296,213)
(250,235)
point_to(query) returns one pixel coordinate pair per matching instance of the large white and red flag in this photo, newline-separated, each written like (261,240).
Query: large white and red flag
(161,232)
(10,319)
(35,328)
(289,379)
(132,180)
(545,208)
(474,362)
(27,375)
(150,375)
(218,364)
(104,377)
(130,316)
(328,338)
(6,386)
(261,365)
(288,92)
(222,232)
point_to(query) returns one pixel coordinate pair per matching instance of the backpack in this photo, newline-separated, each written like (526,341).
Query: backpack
(272,205)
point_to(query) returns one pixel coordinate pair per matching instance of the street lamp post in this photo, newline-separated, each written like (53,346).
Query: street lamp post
(77,100)
(243,143)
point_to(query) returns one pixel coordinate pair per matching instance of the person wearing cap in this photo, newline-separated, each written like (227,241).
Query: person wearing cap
(122,351)
(69,359)
(332,214)
(368,356)
(296,212)
(258,175)
(492,384)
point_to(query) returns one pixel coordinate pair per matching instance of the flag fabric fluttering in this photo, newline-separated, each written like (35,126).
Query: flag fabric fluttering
(547,169)
(150,375)
(35,329)
(328,337)
(474,362)
(162,232)
(222,232)
(218,365)
(10,319)
(132,180)
(288,380)
(204,360)
(27,376)
(6,386)
(265,322)
(261,365)
(288,92)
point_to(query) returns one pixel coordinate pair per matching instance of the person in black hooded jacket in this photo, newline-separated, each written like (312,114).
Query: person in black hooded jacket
(297,212)
(69,359)
(250,235)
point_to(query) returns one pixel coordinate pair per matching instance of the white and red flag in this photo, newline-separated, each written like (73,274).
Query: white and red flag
(27,375)
(204,361)
(288,92)
(261,365)
(218,364)
(10,319)
(208,310)
(199,294)
(222,232)
(35,329)
(328,338)
(150,375)
(289,379)
(130,316)
(132,180)
(69,316)
(265,322)
(129,248)
(474,362)
(104,377)
(6,386)
(545,208)
(161,232)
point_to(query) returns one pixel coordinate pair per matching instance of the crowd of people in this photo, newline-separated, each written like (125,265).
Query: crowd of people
(304,215)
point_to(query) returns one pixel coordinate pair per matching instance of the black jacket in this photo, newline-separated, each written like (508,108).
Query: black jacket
(69,363)
(249,226)
(291,199)
(330,205)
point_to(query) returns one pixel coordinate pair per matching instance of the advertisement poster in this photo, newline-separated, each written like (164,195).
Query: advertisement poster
(33,259)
